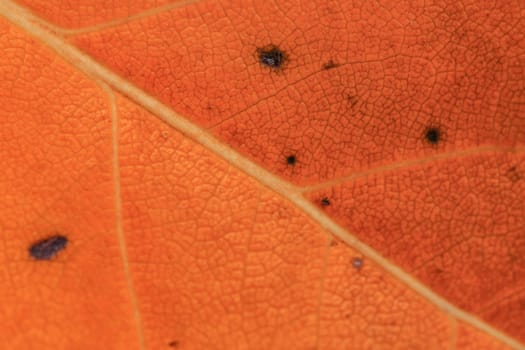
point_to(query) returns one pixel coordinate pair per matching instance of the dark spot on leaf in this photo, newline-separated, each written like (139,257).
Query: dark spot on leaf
(357,263)
(433,135)
(325,202)
(47,248)
(291,160)
(353,100)
(513,174)
(334,243)
(271,56)
(174,344)
(330,64)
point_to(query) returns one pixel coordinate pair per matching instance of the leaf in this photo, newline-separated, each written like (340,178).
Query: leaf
(315,175)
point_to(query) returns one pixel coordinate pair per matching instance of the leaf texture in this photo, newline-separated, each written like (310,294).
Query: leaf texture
(359,187)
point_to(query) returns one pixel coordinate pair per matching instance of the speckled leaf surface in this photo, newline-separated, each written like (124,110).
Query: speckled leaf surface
(262,174)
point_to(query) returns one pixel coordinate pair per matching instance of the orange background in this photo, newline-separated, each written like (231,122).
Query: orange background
(151,136)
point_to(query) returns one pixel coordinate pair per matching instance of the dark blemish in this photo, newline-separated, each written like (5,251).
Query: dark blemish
(330,64)
(334,243)
(513,174)
(353,100)
(433,135)
(291,160)
(357,263)
(174,344)
(272,56)
(325,202)
(47,248)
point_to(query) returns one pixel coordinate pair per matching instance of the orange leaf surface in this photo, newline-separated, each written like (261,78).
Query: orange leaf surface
(262,175)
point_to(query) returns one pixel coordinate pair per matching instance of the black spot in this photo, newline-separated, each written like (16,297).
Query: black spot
(330,64)
(291,160)
(433,135)
(357,263)
(174,344)
(47,248)
(325,202)
(272,56)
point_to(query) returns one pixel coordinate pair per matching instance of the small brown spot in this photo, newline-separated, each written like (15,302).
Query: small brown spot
(330,64)
(174,344)
(334,243)
(325,202)
(357,263)
(353,100)
(291,160)
(513,174)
